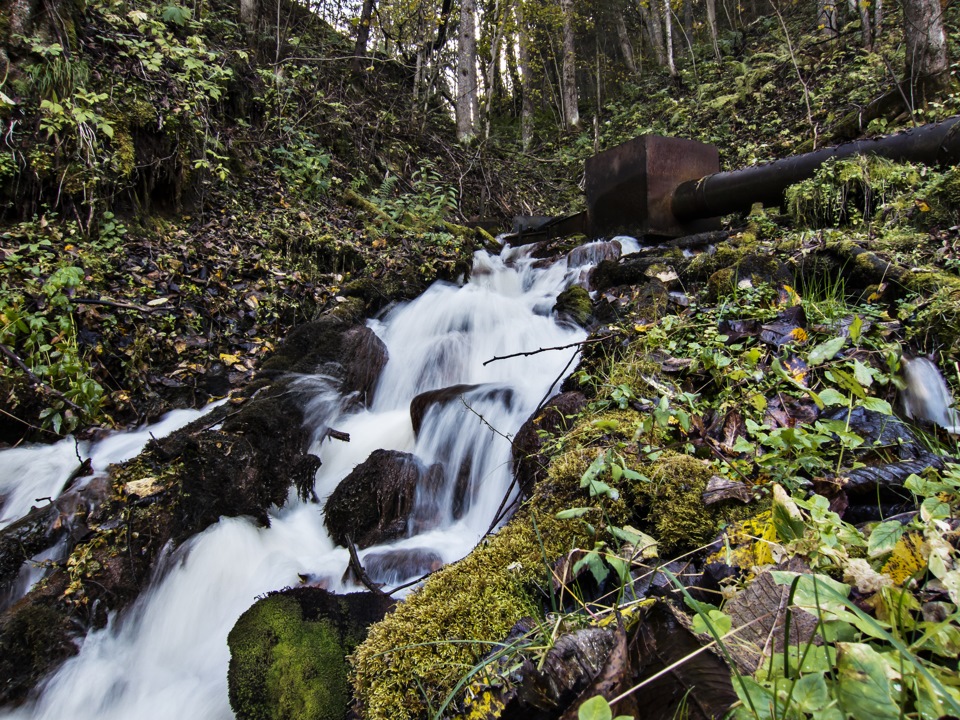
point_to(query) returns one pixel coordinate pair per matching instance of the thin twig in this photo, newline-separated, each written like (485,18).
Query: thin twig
(358,569)
(113,304)
(561,347)
(34,380)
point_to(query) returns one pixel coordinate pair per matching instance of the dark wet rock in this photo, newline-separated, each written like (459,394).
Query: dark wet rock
(529,464)
(637,269)
(337,345)
(424,401)
(33,639)
(647,304)
(372,505)
(216,380)
(288,653)
(396,565)
(176,488)
(574,306)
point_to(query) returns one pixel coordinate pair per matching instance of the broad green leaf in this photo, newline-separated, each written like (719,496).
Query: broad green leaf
(758,700)
(596,708)
(933,508)
(883,538)
(847,382)
(786,516)
(720,621)
(833,397)
(878,405)
(862,373)
(596,467)
(810,693)
(863,687)
(616,472)
(825,351)
(815,592)
(594,563)
(634,475)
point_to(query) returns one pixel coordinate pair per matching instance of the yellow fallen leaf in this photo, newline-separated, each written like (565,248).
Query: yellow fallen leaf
(229,359)
(158,301)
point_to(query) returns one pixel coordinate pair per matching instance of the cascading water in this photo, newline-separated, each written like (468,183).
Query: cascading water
(167,656)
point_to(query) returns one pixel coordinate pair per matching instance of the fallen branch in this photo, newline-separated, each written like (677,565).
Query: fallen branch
(542,350)
(337,435)
(34,380)
(113,304)
(361,573)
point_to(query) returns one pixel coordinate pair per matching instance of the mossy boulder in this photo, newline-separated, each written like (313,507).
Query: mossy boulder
(288,653)
(752,270)
(574,306)
(33,638)
(417,654)
(670,505)
(530,463)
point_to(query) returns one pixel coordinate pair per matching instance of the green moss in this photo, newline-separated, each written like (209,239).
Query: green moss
(285,667)
(417,654)
(574,303)
(673,503)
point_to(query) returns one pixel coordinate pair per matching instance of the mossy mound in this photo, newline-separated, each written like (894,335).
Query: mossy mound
(415,657)
(574,305)
(32,638)
(288,653)
(671,504)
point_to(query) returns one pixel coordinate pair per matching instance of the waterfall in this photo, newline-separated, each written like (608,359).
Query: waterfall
(927,396)
(166,656)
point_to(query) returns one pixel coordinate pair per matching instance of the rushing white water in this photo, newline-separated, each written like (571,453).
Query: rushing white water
(33,473)
(167,656)
(927,396)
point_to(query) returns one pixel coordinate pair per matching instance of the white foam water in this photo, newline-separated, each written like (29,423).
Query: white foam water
(927,396)
(166,656)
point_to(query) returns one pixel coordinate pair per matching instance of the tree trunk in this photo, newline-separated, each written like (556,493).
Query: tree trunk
(568,90)
(527,106)
(363,34)
(492,69)
(467,107)
(248,14)
(668,25)
(877,18)
(688,20)
(625,47)
(827,22)
(926,42)
(712,25)
(651,18)
(859,8)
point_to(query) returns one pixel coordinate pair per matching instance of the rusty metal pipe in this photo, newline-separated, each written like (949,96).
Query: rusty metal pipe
(738,190)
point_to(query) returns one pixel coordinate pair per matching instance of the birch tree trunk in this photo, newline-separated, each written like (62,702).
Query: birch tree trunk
(527,106)
(468,103)
(827,21)
(651,18)
(568,90)
(860,9)
(625,47)
(668,36)
(712,25)
(925,40)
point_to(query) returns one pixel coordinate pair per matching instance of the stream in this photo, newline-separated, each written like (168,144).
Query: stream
(166,656)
